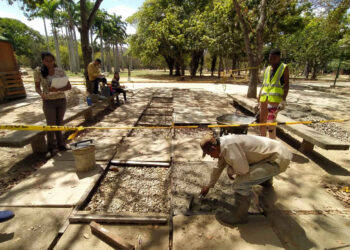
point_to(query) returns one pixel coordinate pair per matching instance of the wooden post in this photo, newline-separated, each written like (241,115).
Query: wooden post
(88,115)
(39,144)
(306,146)
(113,240)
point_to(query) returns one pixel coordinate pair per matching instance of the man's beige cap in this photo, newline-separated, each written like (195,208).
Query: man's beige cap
(207,141)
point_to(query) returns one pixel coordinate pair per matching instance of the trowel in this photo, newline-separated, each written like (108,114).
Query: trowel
(190,205)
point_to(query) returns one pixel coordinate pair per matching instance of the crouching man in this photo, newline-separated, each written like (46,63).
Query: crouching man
(250,160)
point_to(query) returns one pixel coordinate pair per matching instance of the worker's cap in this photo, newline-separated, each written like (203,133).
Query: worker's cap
(207,141)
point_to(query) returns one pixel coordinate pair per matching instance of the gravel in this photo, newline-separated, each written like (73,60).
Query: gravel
(159,111)
(133,189)
(192,132)
(305,113)
(339,191)
(188,178)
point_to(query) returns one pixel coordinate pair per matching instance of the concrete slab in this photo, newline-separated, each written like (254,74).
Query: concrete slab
(188,178)
(189,150)
(107,133)
(297,190)
(205,232)
(196,117)
(55,184)
(312,231)
(143,237)
(144,149)
(32,228)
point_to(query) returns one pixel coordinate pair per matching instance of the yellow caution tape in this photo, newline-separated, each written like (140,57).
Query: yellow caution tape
(173,126)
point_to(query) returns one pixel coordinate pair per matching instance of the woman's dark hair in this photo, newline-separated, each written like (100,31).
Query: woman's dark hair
(44,70)
(118,75)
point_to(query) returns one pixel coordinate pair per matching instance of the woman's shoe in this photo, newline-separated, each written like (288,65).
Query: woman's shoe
(6,215)
(63,148)
(51,153)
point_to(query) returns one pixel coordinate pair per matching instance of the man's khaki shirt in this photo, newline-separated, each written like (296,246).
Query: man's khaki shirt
(238,152)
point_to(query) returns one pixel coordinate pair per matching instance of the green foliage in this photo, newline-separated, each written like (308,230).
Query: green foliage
(27,42)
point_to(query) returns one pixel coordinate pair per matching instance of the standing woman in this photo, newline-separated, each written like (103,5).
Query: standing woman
(54,100)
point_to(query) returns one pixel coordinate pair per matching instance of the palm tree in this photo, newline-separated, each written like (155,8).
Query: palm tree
(49,9)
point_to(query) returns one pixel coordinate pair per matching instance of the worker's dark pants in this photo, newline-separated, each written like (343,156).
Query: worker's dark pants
(96,81)
(120,90)
(54,112)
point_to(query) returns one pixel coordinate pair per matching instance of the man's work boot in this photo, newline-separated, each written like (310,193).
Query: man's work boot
(238,215)
(268,183)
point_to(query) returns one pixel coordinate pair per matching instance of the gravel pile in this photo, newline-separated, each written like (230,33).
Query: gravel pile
(74,96)
(188,178)
(305,113)
(133,189)
(192,132)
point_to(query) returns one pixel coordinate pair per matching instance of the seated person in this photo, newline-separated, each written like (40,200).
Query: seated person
(116,87)
(95,75)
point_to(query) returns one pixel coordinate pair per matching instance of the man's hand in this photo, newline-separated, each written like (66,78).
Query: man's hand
(204,191)
(230,176)
(282,105)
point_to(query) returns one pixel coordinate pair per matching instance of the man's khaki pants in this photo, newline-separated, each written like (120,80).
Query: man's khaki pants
(258,173)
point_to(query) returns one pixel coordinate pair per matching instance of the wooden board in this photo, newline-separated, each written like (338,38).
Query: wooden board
(19,139)
(312,136)
(305,132)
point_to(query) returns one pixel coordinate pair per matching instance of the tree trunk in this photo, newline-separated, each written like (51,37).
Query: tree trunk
(86,21)
(314,72)
(108,58)
(201,63)
(196,55)
(116,58)
(213,64)
(121,57)
(170,61)
(253,83)
(103,64)
(307,70)
(57,45)
(177,69)
(220,66)
(253,50)
(71,64)
(234,65)
(76,51)
(47,37)
(92,45)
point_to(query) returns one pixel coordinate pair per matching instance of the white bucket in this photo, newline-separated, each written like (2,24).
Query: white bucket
(84,156)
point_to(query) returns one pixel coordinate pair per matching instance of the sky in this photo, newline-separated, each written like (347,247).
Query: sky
(124,8)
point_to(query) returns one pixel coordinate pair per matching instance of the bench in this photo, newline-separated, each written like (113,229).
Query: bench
(18,139)
(310,136)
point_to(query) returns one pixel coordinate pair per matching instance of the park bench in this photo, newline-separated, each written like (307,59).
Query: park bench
(310,136)
(18,139)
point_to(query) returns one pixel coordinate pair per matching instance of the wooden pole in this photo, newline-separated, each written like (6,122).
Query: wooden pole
(111,239)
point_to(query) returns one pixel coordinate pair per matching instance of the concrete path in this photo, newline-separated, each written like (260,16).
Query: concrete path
(205,232)
(56,184)
(32,228)
(79,237)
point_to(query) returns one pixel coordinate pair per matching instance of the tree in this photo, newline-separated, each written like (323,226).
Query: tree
(27,42)
(253,38)
(86,18)
(49,9)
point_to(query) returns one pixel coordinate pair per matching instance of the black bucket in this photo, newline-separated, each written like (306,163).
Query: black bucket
(229,119)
